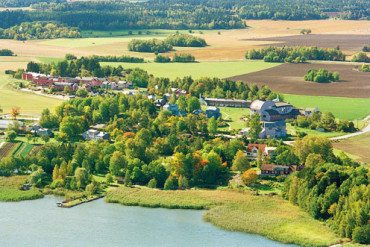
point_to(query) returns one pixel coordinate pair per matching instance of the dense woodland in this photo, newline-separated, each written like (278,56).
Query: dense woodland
(178,14)
(39,30)
(299,54)
(336,190)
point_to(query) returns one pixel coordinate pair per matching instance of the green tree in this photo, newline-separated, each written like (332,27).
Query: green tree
(240,162)
(11,135)
(255,126)
(82,178)
(212,126)
(117,164)
(193,104)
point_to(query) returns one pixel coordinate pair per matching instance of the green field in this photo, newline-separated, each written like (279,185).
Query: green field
(201,69)
(272,217)
(342,108)
(29,103)
(234,117)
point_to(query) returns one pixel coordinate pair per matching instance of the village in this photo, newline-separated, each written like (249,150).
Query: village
(273,115)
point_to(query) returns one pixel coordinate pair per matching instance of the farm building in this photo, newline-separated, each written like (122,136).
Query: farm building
(227,102)
(274,111)
(275,170)
(253,149)
(269,130)
(92,134)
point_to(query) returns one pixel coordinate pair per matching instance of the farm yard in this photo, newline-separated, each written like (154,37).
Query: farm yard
(288,78)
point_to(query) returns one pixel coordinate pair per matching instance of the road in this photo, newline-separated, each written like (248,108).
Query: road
(360,132)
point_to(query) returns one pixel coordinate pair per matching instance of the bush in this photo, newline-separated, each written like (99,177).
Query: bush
(362,234)
(321,76)
(361,57)
(152,183)
(162,59)
(183,58)
(6,52)
(171,183)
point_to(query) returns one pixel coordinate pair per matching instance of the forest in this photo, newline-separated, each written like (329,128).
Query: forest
(336,190)
(177,14)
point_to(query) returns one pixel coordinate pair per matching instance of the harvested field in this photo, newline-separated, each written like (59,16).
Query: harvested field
(352,42)
(358,146)
(288,78)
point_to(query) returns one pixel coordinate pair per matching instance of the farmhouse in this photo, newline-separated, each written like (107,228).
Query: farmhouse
(269,130)
(273,111)
(254,149)
(92,134)
(227,102)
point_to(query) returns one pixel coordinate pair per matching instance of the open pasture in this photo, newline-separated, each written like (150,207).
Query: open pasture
(197,70)
(288,78)
(341,107)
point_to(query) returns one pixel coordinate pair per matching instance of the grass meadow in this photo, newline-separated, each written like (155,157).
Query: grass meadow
(10,192)
(342,108)
(220,69)
(272,217)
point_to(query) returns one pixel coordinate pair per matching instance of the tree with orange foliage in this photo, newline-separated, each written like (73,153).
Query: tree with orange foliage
(249,177)
(15,112)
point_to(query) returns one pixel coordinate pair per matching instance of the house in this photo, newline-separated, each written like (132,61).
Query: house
(92,134)
(273,130)
(43,132)
(60,86)
(254,149)
(160,102)
(213,111)
(275,170)
(227,102)
(271,111)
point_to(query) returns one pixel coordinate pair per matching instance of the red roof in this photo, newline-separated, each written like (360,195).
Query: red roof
(260,147)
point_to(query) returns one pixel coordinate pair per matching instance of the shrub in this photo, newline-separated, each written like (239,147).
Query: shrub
(152,183)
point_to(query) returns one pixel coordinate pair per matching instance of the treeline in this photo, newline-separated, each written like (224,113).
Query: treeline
(335,189)
(361,57)
(299,54)
(23,3)
(211,87)
(122,59)
(321,76)
(84,66)
(39,30)
(185,40)
(177,58)
(151,45)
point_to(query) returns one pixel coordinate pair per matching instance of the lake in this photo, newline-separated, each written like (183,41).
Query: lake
(42,223)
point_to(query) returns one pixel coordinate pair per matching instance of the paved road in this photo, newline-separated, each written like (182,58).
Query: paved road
(360,132)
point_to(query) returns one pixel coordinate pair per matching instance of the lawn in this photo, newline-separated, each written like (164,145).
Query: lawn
(234,117)
(197,70)
(342,108)
(29,103)
(272,217)
(292,130)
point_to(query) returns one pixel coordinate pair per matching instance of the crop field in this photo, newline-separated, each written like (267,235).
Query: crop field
(7,149)
(197,70)
(346,42)
(341,107)
(358,146)
(288,78)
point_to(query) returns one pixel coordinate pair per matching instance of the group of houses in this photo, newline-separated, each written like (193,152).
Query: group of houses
(58,83)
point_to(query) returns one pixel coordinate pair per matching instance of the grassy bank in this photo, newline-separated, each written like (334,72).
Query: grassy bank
(10,192)
(272,217)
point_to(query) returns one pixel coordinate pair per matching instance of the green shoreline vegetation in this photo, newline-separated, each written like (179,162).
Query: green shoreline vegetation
(234,210)
(10,192)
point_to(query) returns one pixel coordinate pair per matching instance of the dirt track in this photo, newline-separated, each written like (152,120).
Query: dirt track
(288,78)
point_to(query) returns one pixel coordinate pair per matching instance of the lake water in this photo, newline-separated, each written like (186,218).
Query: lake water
(42,223)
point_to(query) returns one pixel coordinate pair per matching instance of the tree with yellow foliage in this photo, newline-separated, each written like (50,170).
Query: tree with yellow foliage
(249,177)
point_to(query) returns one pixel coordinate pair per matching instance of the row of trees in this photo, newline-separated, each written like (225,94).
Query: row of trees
(361,57)
(39,30)
(299,54)
(185,40)
(152,45)
(321,76)
(336,190)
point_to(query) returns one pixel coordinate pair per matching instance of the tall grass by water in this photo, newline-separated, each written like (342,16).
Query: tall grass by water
(10,192)
(269,216)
